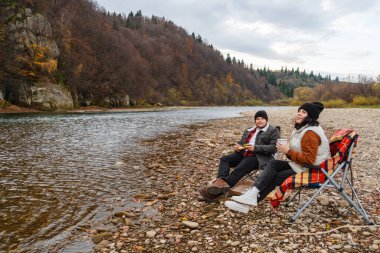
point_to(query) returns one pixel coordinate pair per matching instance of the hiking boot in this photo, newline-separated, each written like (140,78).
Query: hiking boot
(248,198)
(204,195)
(237,206)
(218,186)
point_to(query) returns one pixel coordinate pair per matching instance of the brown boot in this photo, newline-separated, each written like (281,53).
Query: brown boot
(218,186)
(204,195)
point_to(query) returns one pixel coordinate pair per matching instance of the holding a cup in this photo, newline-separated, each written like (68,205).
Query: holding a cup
(282,145)
(282,141)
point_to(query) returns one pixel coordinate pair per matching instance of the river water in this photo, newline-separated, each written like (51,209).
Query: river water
(59,171)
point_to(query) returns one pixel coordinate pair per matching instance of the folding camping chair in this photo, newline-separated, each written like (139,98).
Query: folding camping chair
(335,173)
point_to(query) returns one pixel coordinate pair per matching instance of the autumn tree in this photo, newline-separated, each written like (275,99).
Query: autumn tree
(305,93)
(37,64)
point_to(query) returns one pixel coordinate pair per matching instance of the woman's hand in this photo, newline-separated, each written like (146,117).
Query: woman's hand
(283,148)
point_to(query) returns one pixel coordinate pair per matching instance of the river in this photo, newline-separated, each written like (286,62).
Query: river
(60,171)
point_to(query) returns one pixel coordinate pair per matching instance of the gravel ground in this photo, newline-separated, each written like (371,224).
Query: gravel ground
(168,217)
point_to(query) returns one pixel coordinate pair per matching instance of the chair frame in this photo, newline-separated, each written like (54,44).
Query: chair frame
(330,182)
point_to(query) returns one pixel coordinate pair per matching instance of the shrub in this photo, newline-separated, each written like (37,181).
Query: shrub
(3,103)
(253,102)
(296,102)
(281,102)
(361,100)
(335,103)
(184,102)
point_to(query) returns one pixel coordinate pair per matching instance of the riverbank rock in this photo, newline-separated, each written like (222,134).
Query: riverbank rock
(32,37)
(51,97)
(33,30)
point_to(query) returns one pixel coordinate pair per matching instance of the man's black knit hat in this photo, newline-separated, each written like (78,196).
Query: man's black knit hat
(262,114)
(313,109)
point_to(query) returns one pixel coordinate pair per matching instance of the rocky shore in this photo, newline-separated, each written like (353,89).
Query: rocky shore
(168,217)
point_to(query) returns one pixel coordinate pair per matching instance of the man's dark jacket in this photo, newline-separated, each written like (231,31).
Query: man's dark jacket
(265,144)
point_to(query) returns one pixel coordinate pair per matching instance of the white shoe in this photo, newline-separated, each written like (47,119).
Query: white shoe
(236,206)
(248,198)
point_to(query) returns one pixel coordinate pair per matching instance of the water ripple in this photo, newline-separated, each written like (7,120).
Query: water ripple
(58,170)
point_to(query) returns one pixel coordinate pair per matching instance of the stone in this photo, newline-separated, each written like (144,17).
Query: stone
(337,236)
(100,237)
(124,214)
(337,246)
(143,196)
(192,243)
(47,96)
(244,231)
(323,200)
(151,234)
(235,243)
(190,224)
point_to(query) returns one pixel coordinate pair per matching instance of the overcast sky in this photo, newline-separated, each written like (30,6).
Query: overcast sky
(337,37)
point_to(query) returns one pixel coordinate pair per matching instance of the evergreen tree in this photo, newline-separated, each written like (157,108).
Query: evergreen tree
(228,59)
(199,38)
(297,72)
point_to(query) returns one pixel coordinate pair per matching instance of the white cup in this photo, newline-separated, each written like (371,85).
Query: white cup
(282,141)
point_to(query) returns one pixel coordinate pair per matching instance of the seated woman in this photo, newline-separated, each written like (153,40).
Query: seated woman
(256,148)
(308,145)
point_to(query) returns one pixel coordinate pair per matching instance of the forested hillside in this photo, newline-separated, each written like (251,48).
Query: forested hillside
(88,56)
(300,86)
(104,57)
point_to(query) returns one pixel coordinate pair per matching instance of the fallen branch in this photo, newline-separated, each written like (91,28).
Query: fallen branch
(331,230)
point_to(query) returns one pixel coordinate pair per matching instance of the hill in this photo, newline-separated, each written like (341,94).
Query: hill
(67,53)
(111,59)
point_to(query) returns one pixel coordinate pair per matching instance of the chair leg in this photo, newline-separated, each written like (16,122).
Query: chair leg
(308,202)
(358,207)
(349,200)
(297,194)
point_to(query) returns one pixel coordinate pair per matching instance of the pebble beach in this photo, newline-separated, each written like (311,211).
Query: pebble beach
(168,217)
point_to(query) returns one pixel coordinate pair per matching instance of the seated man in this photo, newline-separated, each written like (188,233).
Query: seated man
(254,151)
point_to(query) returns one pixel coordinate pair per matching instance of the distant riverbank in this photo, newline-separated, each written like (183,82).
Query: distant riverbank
(18,109)
(83,109)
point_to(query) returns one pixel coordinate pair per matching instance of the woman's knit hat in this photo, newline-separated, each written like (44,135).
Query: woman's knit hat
(313,109)
(262,114)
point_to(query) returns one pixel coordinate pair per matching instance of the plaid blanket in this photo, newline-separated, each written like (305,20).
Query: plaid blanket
(340,143)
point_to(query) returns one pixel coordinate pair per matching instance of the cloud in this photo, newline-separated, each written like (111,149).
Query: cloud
(339,34)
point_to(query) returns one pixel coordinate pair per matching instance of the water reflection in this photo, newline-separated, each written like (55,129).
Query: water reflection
(57,171)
